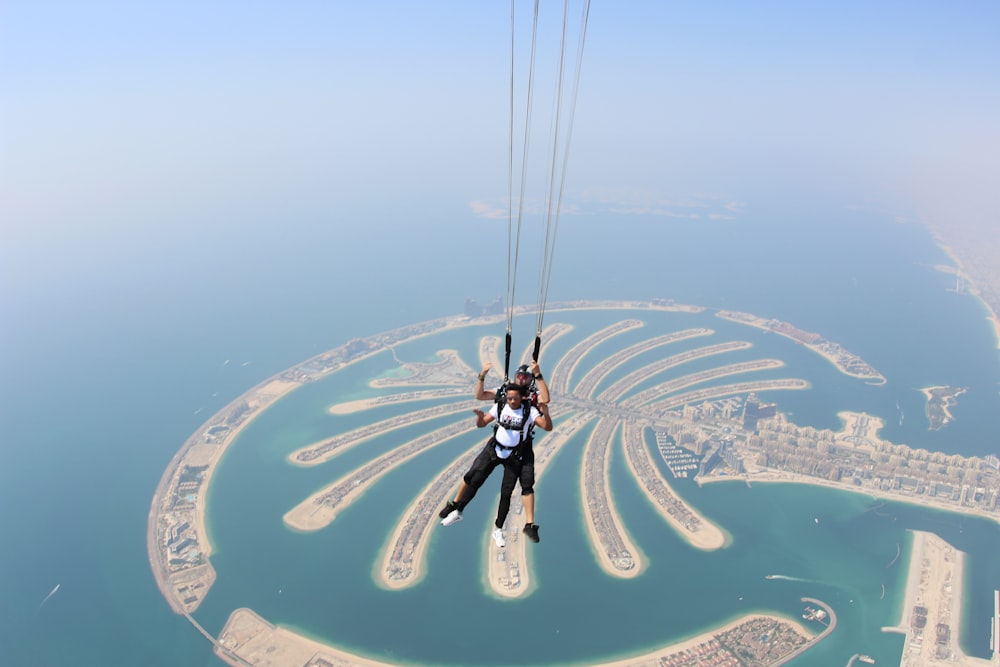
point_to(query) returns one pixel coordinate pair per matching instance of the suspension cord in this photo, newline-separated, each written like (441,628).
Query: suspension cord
(552,219)
(510,194)
(516,243)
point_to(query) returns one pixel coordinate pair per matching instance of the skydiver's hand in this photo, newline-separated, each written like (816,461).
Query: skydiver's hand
(535,370)
(486,368)
(482,418)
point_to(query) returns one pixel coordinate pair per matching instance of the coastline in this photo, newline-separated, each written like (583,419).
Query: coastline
(979,283)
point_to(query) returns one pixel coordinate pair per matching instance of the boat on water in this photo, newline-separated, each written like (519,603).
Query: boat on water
(867,659)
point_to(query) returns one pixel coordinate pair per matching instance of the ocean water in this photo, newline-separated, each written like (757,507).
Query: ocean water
(106,373)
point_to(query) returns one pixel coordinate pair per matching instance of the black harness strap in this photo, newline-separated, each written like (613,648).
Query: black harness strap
(525,415)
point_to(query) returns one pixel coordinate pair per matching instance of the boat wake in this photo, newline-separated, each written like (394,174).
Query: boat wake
(893,561)
(51,593)
(784,577)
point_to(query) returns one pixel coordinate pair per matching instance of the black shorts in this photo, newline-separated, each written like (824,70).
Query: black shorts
(487,460)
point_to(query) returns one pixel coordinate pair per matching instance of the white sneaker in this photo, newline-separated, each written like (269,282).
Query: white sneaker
(498,538)
(454,517)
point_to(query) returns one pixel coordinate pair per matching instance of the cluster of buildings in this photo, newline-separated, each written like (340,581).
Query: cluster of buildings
(600,514)
(760,640)
(177,549)
(663,495)
(737,439)
(182,565)
(179,535)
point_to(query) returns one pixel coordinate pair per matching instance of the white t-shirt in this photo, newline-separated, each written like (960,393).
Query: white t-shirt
(513,429)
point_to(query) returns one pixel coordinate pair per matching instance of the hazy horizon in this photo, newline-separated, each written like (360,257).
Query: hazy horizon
(156,126)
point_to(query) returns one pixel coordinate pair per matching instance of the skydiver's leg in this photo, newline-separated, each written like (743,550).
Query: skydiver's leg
(461,490)
(481,468)
(527,479)
(528,500)
(450,505)
(511,472)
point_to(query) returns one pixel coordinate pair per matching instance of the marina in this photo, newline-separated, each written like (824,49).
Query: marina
(680,461)
(814,614)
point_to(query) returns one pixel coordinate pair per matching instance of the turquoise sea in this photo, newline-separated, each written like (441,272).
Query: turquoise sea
(106,373)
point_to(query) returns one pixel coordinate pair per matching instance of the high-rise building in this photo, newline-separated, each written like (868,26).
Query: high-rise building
(750,417)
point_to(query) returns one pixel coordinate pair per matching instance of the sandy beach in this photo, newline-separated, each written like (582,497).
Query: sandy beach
(360,405)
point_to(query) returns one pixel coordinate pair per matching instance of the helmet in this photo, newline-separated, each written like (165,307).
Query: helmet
(523,376)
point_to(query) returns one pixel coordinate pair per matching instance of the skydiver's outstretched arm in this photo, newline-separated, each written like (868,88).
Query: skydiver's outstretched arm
(484,418)
(540,386)
(481,393)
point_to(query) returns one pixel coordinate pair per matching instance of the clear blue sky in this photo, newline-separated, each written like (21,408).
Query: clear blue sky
(126,121)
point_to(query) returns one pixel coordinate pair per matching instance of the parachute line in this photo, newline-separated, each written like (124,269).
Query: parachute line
(555,196)
(556,179)
(512,257)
